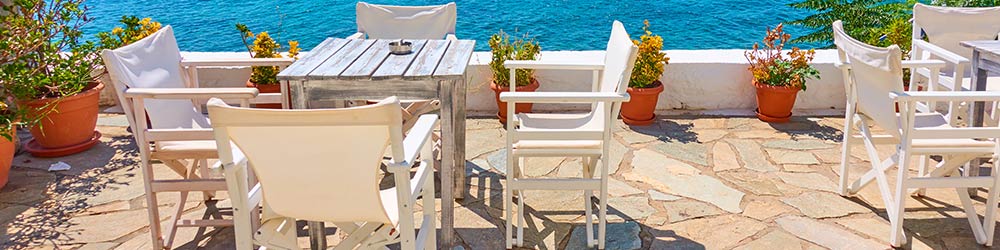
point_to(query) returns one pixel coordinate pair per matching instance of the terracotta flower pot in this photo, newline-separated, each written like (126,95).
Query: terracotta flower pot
(7,149)
(774,104)
(68,128)
(518,108)
(639,110)
(266,88)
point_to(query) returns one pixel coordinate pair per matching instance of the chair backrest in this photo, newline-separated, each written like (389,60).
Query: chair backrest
(618,62)
(153,62)
(946,27)
(319,164)
(406,22)
(875,73)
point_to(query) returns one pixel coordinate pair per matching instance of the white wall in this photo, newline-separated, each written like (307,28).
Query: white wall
(699,80)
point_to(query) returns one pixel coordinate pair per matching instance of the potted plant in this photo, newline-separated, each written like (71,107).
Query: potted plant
(265,78)
(133,30)
(51,74)
(778,76)
(644,86)
(503,49)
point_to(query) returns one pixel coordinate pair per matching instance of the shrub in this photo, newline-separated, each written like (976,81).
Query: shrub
(650,61)
(265,47)
(770,67)
(134,30)
(504,49)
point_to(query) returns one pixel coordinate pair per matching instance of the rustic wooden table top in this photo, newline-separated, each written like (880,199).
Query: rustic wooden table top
(985,46)
(355,59)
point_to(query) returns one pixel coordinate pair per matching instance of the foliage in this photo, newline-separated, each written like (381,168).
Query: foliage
(265,47)
(966,3)
(769,66)
(503,49)
(42,55)
(863,19)
(134,30)
(650,60)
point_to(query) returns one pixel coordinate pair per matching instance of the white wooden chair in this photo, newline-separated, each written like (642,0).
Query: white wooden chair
(944,28)
(158,92)
(875,84)
(586,135)
(323,165)
(407,22)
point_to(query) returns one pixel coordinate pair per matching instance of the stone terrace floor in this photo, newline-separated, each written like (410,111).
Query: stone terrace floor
(683,183)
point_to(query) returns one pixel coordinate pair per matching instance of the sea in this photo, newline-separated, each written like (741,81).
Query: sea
(209,25)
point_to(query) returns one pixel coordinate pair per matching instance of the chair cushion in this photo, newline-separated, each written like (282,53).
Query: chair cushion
(186,150)
(937,120)
(567,144)
(536,121)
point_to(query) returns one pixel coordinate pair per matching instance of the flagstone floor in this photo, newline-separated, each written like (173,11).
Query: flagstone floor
(682,183)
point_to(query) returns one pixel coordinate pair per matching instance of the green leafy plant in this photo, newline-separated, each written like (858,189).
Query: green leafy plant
(134,30)
(770,66)
(263,46)
(503,49)
(863,19)
(650,60)
(966,3)
(42,55)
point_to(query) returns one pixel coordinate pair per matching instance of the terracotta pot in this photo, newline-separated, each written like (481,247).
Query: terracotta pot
(266,88)
(774,104)
(7,149)
(639,110)
(69,124)
(518,108)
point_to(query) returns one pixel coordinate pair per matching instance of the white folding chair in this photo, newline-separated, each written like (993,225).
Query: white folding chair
(945,28)
(586,135)
(158,92)
(323,165)
(875,84)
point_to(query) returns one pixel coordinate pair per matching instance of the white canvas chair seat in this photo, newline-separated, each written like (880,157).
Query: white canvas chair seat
(303,176)
(872,76)
(153,82)
(585,135)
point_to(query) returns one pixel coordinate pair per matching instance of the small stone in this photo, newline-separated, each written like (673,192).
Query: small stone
(762,210)
(655,220)
(484,141)
(776,239)
(710,135)
(683,210)
(620,236)
(719,232)
(696,153)
(798,144)
(723,157)
(795,168)
(646,162)
(499,161)
(832,155)
(637,208)
(476,167)
(812,181)
(753,156)
(97,228)
(754,183)
(658,196)
(620,188)
(781,156)
(540,166)
(824,205)
(684,180)
(617,154)
(826,235)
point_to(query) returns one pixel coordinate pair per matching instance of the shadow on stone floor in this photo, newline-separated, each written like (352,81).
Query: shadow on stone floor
(667,130)
(804,127)
(62,194)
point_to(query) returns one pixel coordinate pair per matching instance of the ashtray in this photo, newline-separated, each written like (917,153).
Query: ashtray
(400,47)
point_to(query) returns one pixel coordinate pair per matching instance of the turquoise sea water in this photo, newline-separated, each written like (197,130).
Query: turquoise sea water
(208,25)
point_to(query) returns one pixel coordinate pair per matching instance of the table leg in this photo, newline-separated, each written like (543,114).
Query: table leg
(317,236)
(459,123)
(448,163)
(979,78)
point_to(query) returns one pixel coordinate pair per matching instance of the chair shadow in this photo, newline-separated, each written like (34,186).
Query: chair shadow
(67,195)
(803,127)
(931,229)
(666,130)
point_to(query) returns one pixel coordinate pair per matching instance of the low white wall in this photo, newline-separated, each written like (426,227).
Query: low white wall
(695,80)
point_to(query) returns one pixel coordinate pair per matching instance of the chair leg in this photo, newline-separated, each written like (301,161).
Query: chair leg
(205,173)
(845,154)
(897,236)
(151,204)
(587,202)
(520,218)
(429,214)
(603,214)
(990,219)
(922,172)
(178,212)
(508,203)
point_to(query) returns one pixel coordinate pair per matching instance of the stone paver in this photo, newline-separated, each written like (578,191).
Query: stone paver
(681,183)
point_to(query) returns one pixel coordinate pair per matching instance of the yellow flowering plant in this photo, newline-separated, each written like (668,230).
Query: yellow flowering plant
(503,49)
(135,29)
(650,60)
(770,66)
(263,46)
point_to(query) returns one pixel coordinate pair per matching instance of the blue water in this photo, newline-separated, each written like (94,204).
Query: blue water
(208,25)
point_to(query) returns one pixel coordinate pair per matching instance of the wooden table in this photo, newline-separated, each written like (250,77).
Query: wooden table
(985,59)
(353,69)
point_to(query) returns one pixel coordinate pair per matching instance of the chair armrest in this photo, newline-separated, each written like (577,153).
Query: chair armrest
(357,35)
(945,96)
(912,64)
(942,53)
(562,97)
(237,62)
(191,93)
(415,140)
(178,134)
(534,64)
